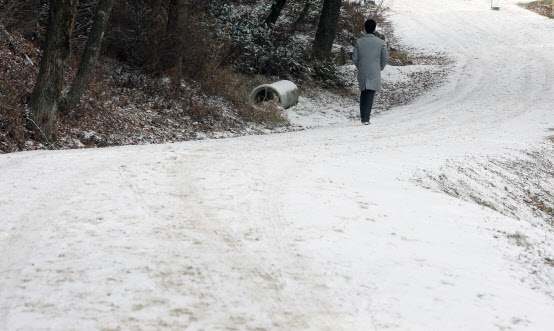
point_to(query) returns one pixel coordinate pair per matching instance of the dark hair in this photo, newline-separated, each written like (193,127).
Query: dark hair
(370,26)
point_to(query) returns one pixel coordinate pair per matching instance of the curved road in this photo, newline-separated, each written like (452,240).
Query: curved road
(314,230)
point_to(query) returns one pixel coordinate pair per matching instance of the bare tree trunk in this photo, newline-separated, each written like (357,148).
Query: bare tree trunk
(275,12)
(302,15)
(327,29)
(48,87)
(176,23)
(88,61)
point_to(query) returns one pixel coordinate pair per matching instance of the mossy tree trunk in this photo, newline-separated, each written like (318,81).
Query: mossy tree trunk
(90,56)
(48,87)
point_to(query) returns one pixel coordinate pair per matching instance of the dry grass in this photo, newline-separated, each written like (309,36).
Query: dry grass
(541,7)
(399,58)
(519,239)
(517,187)
(541,202)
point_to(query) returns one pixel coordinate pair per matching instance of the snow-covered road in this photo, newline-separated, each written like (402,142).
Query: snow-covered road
(316,230)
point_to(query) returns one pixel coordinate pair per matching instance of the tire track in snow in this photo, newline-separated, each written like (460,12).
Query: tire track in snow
(30,225)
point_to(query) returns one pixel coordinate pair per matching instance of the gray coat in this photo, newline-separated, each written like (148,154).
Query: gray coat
(370,57)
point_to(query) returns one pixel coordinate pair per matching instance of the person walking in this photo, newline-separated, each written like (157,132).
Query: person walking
(370,58)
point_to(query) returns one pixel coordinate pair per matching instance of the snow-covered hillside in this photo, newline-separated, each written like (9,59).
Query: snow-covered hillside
(341,228)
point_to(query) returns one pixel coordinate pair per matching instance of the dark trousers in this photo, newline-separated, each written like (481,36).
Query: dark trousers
(366,103)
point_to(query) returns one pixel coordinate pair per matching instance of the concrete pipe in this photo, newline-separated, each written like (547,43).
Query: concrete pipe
(285,90)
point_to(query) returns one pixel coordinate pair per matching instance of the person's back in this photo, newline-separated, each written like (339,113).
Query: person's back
(370,57)
(371,61)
